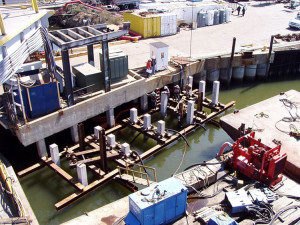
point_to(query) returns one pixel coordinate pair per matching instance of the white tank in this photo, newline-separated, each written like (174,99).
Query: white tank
(228,12)
(209,18)
(225,75)
(216,17)
(261,71)
(250,72)
(212,75)
(238,73)
(222,16)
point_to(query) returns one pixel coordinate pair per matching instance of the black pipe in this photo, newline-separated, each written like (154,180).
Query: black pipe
(202,164)
(135,138)
(140,158)
(175,131)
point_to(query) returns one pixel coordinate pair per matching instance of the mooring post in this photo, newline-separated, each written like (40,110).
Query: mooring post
(147,121)
(54,152)
(202,85)
(82,174)
(164,103)
(111,140)
(190,82)
(110,117)
(133,115)
(190,112)
(215,94)
(144,102)
(161,127)
(81,135)
(125,148)
(74,134)
(231,60)
(41,147)
(97,129)
(200,102)
(269,56)
(103,155)
(90,51)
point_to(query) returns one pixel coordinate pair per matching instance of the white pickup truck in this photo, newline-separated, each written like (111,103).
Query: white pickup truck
(295,23)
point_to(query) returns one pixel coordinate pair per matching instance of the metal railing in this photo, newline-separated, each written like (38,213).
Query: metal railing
(11,191)
(139,173)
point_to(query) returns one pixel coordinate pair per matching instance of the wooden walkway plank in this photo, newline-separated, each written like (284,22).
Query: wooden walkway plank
(136,180)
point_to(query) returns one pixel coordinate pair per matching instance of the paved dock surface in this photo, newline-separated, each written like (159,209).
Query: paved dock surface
(268,118)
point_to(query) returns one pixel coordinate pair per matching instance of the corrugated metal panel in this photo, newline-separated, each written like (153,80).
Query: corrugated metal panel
(168,24)
(146,26)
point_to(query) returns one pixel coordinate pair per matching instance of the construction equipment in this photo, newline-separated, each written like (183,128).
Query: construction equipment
(258,161)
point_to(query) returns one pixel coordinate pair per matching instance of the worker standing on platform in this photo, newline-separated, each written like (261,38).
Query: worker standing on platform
(177,93)
(148,68)
(188,87)
(244,10)
(238,10)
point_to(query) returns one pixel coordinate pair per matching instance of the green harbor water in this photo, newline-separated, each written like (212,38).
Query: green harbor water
(44,188)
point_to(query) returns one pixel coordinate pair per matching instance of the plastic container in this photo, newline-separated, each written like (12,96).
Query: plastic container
(261,71)
(228,12)
(222,16)
(216,17)
(201,19)
(209,18)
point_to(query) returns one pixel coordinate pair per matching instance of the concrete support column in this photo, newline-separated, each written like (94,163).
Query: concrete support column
(74,133)
(105,63)
(111,140)
(133,115)
(215,94)
(144,102)
(164,103)
(161,127)
(190,112)
(147,121)
(90,51)
(125,148)
(190,81)
(202,85)
(68,77)
(97,129)
(110,117)
(82,174)
(54,152)
(41,147)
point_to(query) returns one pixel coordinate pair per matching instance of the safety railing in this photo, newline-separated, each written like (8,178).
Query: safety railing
(11,191)
(22,4)
(129,171)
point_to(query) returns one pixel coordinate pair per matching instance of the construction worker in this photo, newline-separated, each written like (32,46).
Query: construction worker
(153,99)
(177,93)
(244,10)
(188,87)
(148,68)
(238,9)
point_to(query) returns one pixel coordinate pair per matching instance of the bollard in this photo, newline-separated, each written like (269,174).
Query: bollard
(215,94)
(82,175)
(54,152)
(133,115)
(190,113)
(111,140)
(147,121)
(96,131)
(125,148)
(161,127)
(164,103)
(202,84)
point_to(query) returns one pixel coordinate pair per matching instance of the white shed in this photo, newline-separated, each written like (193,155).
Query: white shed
(159,50)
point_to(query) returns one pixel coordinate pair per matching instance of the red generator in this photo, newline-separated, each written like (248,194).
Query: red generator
(258,161)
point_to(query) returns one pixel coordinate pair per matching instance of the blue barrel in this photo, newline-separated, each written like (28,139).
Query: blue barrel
(250,72)
(261,71)
(201,19)
(212,75)
(222,16)
(225,75)
(238,73)
(216,17)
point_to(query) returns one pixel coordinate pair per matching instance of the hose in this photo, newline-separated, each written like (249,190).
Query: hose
(135,138)
(140,158)
(202,164)
(282,211)
(175,131)
(200,125)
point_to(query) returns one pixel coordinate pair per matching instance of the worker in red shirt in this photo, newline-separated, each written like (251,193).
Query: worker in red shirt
(148,68)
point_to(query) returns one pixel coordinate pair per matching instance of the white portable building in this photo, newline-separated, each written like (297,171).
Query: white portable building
(159,50)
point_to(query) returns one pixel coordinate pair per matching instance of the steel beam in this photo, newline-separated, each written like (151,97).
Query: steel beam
(68,77)
(105,63)
(91,59)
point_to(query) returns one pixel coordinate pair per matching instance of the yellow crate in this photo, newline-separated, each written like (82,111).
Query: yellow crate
(149,26)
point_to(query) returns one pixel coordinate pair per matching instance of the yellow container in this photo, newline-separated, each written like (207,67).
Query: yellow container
(148,26)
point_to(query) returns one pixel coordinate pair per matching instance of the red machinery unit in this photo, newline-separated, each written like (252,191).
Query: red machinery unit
(258,161)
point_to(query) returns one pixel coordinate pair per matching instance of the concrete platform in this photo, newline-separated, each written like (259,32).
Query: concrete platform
(263,118)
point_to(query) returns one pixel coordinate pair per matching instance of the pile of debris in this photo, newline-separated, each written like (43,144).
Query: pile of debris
(80,15)
(288,37)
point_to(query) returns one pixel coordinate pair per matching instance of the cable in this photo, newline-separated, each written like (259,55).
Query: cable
(140,158)
(180,164)
(282,211)
(175,131)
(203,164)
